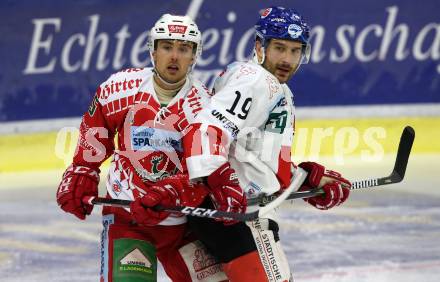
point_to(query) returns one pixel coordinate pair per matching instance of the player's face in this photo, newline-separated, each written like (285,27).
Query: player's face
(172,58)
(282,58)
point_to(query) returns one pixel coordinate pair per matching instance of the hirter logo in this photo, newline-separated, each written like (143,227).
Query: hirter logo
(177,28)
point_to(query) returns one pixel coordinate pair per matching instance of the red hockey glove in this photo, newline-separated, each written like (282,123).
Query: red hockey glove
(335,194)
(318,176)
(170,192)
(77,182)
(336,188)
(225,191)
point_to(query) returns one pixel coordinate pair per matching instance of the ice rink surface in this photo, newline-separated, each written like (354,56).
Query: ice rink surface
(382,234)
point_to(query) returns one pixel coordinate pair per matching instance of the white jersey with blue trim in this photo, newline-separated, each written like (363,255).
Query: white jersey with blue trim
(254,114)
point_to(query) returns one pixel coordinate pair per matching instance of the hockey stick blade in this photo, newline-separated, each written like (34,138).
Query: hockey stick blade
(398,173)
(405,145)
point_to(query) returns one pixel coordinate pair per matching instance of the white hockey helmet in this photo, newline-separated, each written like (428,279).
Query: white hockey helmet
(176,28)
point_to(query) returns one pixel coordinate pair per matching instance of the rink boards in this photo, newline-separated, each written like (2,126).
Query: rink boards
(339,138)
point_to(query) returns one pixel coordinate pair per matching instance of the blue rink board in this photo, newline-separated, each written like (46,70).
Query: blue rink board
(54,54)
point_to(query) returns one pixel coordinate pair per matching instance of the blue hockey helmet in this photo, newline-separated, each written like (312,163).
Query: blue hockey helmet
(283,23)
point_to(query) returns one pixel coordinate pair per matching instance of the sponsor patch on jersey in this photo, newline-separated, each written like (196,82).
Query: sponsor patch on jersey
(281,103)
(193,99)
(133,260)
(294,30)
(265,242)
(93,106)
(152,139)
(107,220)
(273,85)
(202,265)
(118,86)
(136,257)
(252,190)
(246,70)
(117,187)
(276,122)
(175,28)
(227,124)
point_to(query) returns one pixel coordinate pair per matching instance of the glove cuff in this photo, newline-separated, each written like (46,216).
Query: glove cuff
(89,172)
(315,172)
(216,179)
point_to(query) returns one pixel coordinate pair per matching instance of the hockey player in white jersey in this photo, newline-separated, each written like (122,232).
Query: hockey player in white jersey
(147,109)
(240,144)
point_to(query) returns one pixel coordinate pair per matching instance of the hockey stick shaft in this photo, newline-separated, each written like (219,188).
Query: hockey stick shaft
(396,176)
(212,213)
(190,211)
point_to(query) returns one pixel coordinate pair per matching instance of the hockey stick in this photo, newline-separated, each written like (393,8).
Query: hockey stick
(396,176)
(212,213)
(272,201)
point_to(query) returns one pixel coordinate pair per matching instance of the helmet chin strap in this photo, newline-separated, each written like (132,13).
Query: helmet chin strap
(170,85)
(297,68)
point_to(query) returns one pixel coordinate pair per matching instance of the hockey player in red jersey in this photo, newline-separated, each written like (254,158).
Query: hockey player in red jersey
(147,109)
(240,145)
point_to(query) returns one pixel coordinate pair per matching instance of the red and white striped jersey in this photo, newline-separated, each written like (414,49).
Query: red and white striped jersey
(249,122)
(148,135)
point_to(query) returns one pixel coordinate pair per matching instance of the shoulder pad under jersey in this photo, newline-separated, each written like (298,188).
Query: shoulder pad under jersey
(203,90)
(250,74)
